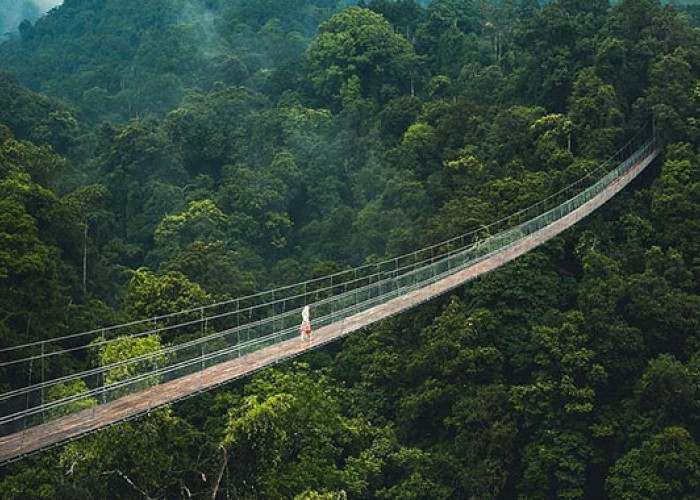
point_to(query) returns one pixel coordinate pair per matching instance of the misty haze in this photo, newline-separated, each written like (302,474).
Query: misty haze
(13,12)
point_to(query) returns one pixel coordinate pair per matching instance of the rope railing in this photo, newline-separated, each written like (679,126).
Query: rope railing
(227,334)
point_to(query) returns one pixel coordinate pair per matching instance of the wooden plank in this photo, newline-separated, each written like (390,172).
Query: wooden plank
(77,424)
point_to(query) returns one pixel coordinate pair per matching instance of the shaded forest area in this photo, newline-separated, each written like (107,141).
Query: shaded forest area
(161,155)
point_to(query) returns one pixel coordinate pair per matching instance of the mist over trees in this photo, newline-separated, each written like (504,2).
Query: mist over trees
(16,13)
(162,155)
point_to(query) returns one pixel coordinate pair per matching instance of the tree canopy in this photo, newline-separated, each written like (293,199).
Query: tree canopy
(160,156)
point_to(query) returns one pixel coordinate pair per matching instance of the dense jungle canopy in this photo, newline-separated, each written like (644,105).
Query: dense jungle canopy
(164,154)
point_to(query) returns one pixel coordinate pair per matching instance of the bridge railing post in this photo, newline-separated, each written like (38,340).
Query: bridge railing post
(247,330)
(156,377)
(28,400)
(202,355)
(103,383)
(274,311)
(395,278)
(332,294)
(42,381)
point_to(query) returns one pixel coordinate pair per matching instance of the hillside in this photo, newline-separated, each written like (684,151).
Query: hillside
(162,155)
(119,59)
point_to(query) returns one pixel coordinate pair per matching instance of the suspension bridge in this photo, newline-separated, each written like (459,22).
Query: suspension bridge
(200,349)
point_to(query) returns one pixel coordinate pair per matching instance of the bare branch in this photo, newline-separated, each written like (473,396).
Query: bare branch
(224,462)
(129,481)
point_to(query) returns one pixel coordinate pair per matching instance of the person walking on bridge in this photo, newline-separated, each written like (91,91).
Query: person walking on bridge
(305,327)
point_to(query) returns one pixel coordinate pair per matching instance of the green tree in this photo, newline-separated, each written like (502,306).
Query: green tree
(217,267)
(554,45)
(664,466)
(560,394)
(127,348)
(447,33)
(671,100)
(676,197)
(666,394)
(288,435)
(361,44)
(619,347)
(595,112)
(418,149)
(35,117)
(88,203)
(203,221)
(154,456)
(33,222)
(257,202)
(555,464)
(65,390)
(131,159)
(150,295)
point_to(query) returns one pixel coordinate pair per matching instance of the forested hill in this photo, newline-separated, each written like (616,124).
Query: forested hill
(118,59)
(163,154)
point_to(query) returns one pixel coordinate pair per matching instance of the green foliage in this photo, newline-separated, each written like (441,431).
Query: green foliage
(596,115)
(447,34)
(566,373)
(123,59)
(37,481)
(32,220)
(152,295)
(558,43)
(126,348)
(215,267)
(256,437)
(313,495)
(261,142)
(203,221)
(114,463)
(664,466)
(675,198)
(359,47)
(36,117)
(287,436)
(554,464)
(66,390)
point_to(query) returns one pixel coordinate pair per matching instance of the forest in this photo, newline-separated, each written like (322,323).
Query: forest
(162,155)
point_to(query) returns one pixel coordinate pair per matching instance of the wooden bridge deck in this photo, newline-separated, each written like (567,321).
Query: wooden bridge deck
(66,428)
